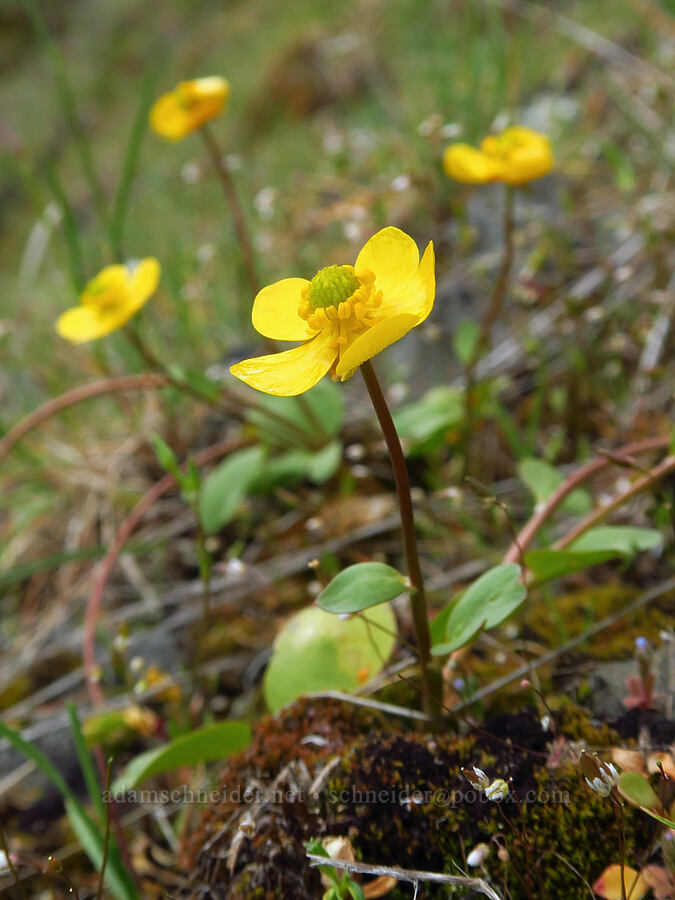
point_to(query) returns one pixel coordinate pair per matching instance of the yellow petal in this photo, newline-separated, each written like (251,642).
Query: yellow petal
(275,311)
(110,283)
(392,256)
(213,87)
(86,323)
(372,341)
(415,297)
(168,119)
(529,161)
(464,163)
(291,372)
(143,282)
(189,106)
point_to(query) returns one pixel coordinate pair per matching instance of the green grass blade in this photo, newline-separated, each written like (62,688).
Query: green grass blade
(69,109)
(69,229)
(118,879)
(86,764)
(132,155)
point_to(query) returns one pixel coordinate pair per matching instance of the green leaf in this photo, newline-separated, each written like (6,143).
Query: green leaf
(593,547)
(116,876)
(439,410)
(326,405)
(323,464)
(316,651)
(489,600)
(623,539)
(637,790)
(670,823)
(361,586)
(354,889)
(198,382)
(86,764)
(90,837)
(204,745)
(548,564)
(465,340)
(226,487)
(543,480)
(297,465)
(165,456)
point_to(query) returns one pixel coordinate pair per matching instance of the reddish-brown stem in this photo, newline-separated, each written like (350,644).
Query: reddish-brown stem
(592,519)
(113,816)
(108,563)
(146,381)
(529,532)
(243,237)
(417,596)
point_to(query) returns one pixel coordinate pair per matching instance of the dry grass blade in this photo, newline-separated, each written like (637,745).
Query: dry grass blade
(414,876)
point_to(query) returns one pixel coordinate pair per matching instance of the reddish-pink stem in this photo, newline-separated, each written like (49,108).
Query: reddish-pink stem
(108,563)
(77,395)
(597,515)
(529,532)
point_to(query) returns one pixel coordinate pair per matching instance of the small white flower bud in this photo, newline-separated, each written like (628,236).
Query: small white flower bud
(476,778)
(498,790)
(478,855)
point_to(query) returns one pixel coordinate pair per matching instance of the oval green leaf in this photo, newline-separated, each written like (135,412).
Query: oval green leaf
(226,487)
(637,790)
(623,539)
(361,586)
(489,600)
(548,564)
(204,745)
(317,651)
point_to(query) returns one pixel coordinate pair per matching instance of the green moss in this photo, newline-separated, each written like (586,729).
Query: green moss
(402,799)
(579,609)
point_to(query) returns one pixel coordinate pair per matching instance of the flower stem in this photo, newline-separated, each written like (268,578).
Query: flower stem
(247,252)
(417,596)
(490,316)
(243,236)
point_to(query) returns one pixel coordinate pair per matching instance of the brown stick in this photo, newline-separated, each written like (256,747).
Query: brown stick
(529,532)
(108,563)
(146,381)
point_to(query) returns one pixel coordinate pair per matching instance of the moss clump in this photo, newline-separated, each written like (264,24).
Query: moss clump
(579,609)
(400,797)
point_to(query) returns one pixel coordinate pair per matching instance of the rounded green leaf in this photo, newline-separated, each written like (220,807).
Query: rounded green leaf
(637,790)
(623,539)
(547,564)
(361,586)
(489,600)
(204,745)
(226,487)
(317,651)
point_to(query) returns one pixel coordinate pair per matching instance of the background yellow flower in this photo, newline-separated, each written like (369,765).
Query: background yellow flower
(344,315)
(515,156)
(109,300)
(188,106)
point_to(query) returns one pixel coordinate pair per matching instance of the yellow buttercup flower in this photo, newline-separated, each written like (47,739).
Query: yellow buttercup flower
(110,300)
(188,106)
(344,315)
(515,156)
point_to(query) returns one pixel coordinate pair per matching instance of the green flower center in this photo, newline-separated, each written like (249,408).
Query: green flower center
(331,286)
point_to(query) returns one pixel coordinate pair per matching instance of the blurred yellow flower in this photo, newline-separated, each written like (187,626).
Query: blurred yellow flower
(110,300)
(515,156)
(344,315)
(188,106)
